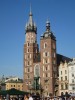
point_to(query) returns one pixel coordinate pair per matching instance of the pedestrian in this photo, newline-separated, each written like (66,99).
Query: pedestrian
(45,98)
(30,96)
(25,97)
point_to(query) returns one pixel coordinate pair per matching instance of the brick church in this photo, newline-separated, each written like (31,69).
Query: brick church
(39,65)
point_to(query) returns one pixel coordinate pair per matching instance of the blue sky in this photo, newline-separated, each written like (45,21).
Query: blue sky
(13,16)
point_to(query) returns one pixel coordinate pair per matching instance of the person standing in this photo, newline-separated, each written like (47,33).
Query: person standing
(25,97)
(30,97)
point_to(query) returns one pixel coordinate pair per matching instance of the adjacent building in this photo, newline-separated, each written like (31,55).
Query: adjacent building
(11,82)
(63,77)
(14,82)
(71,74)
(67,77)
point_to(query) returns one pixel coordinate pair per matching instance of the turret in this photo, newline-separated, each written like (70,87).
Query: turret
(48,32)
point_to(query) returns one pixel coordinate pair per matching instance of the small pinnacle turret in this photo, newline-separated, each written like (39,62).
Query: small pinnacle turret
(47,26)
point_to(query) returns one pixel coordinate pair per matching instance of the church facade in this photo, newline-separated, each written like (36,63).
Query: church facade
(40,66)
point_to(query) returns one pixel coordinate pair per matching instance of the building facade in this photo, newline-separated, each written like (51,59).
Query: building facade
(39,64)
(11,82)
(71,72)
(63,78)
(67,77)
(17,84)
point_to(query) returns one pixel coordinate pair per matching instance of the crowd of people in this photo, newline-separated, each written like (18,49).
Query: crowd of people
(36,97)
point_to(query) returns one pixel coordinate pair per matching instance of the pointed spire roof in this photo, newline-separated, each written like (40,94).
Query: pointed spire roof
(30,26)
(30,10)
(30,17)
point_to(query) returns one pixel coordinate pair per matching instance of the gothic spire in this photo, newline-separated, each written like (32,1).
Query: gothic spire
(30,17)
(30,26)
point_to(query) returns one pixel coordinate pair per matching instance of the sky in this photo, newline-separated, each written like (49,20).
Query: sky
(13,17)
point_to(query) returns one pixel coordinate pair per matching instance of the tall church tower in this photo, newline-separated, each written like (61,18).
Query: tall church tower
(31,51)
(48,60)
(41,64)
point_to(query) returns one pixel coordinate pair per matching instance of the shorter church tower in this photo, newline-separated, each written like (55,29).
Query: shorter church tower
(48,60)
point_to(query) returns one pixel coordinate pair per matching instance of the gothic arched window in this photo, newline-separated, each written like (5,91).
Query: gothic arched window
(37,70)
(45,45)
